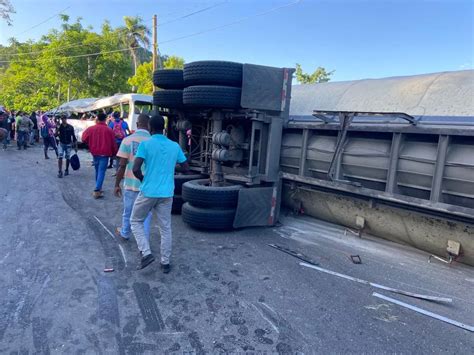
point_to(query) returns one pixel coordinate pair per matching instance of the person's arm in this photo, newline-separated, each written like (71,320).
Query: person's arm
(182,161)
(85,136)
(137,168)
(17,126)
(74,139)
(118,178)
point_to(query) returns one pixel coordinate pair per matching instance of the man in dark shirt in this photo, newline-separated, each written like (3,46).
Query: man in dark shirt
(67,139)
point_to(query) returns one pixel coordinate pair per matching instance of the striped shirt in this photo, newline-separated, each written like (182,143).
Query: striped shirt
(128,149)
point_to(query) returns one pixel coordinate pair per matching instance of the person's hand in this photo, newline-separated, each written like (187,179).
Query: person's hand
(118,191)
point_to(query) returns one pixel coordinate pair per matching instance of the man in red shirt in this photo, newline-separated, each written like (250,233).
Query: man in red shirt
(102,145)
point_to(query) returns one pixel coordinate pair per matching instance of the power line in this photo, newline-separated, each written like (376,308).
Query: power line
(233,22)
(39,24)
(174,39)
(81,44)
(72,56)
(47,49)
(191,14)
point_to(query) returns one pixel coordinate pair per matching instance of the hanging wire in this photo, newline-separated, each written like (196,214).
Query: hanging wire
(246,18)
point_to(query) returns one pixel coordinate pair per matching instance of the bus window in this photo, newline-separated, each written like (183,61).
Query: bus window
(143,107)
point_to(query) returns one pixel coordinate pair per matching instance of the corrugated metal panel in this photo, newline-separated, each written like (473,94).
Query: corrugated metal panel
(439,94)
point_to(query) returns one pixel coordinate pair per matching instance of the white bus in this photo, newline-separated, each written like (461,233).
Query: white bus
(82,112)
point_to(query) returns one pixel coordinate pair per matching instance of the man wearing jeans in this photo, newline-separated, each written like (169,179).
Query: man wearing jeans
(101,142)
(67,138)
(131,185)
(160,155)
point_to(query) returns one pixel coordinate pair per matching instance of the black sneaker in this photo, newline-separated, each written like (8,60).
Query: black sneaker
(60,174)
(66,172)
(165,268)
(145,261)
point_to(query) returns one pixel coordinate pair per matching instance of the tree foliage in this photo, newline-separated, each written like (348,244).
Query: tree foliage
(134,34)
(40,74)
(6,10)
(142,80)
(320,75)
(173,62)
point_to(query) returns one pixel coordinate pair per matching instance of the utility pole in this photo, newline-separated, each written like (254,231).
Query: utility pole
(155,44)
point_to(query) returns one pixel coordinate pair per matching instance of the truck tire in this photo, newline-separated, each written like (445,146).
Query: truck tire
(168,78)
(177,204)
(208,96)
(207,218)
(199,193)
(180,179)
(213,72)
(168,98)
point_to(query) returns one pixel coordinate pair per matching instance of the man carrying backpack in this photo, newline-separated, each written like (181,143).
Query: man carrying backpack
(47,133)
(121,130)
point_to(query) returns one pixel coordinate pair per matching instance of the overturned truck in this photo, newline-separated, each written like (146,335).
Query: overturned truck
(392,157)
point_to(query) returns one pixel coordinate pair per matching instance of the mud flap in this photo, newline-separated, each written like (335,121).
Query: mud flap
(259,206)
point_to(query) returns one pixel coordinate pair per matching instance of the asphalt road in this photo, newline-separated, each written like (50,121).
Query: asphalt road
(227,292)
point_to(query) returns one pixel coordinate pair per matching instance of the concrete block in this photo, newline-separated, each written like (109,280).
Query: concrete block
(454,248)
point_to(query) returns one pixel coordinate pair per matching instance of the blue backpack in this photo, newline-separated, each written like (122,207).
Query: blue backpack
(44,132)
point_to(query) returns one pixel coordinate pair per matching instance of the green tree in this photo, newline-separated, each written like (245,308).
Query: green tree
(6,10)
(173,62)
(45,73)
(320,75)
(142,80)
(135,35)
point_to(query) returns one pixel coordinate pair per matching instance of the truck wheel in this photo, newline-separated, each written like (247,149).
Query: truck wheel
(207,218)
(177,204)
(213,72)
(168,78)
(168,98)
(200,193)
(212,96)
(180,179)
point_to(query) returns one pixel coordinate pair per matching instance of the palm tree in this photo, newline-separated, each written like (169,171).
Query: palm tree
(135,35)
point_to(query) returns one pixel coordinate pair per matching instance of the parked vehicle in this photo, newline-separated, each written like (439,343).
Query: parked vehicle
(82,112)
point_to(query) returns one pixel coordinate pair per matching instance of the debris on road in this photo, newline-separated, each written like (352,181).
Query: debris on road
(294,254)
(382,287)
(356,259)
(108,270)
(425,312)
(448,261)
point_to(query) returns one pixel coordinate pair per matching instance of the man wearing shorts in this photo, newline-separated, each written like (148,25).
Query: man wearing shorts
(67,139)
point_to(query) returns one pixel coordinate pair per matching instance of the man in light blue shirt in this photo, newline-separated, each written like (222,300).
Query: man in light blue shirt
(160,156)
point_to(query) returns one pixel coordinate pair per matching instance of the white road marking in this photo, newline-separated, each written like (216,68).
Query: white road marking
(425,312)
(382,287)
(114,238)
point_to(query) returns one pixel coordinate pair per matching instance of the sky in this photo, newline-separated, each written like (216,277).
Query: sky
(357,39)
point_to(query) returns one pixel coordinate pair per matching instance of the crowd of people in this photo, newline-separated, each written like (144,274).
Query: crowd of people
(144,150)
(19,126)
